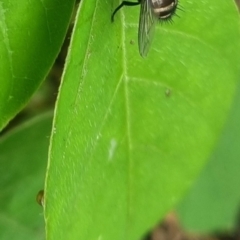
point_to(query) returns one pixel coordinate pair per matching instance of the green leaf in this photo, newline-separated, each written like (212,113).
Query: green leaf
(131,134)
(31,34)
(23,156)
(213,203)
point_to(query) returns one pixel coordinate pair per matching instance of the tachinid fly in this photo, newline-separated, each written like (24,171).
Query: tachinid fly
(151,12)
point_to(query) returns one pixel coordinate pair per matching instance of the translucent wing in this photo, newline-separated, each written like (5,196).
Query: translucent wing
(147,23)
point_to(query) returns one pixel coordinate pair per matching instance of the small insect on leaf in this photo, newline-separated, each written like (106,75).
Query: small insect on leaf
(40,198)
(151,12)
(168,92)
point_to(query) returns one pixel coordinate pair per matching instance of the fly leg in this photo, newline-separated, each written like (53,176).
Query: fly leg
(124,3)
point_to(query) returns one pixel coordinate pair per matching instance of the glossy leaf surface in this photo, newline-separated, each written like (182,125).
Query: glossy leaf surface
(31,35)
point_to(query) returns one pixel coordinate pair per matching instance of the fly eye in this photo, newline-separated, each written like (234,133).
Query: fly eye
(40,198)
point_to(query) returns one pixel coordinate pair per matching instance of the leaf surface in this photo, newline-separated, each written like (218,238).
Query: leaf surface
(23,158)
(213,203)
(31,34)
(131,134)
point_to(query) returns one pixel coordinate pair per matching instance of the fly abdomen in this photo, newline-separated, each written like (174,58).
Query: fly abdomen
(164,9)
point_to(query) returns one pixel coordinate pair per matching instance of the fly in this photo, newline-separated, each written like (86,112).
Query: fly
(151,12)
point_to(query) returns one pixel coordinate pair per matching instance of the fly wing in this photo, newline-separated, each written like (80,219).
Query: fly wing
(147,23)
